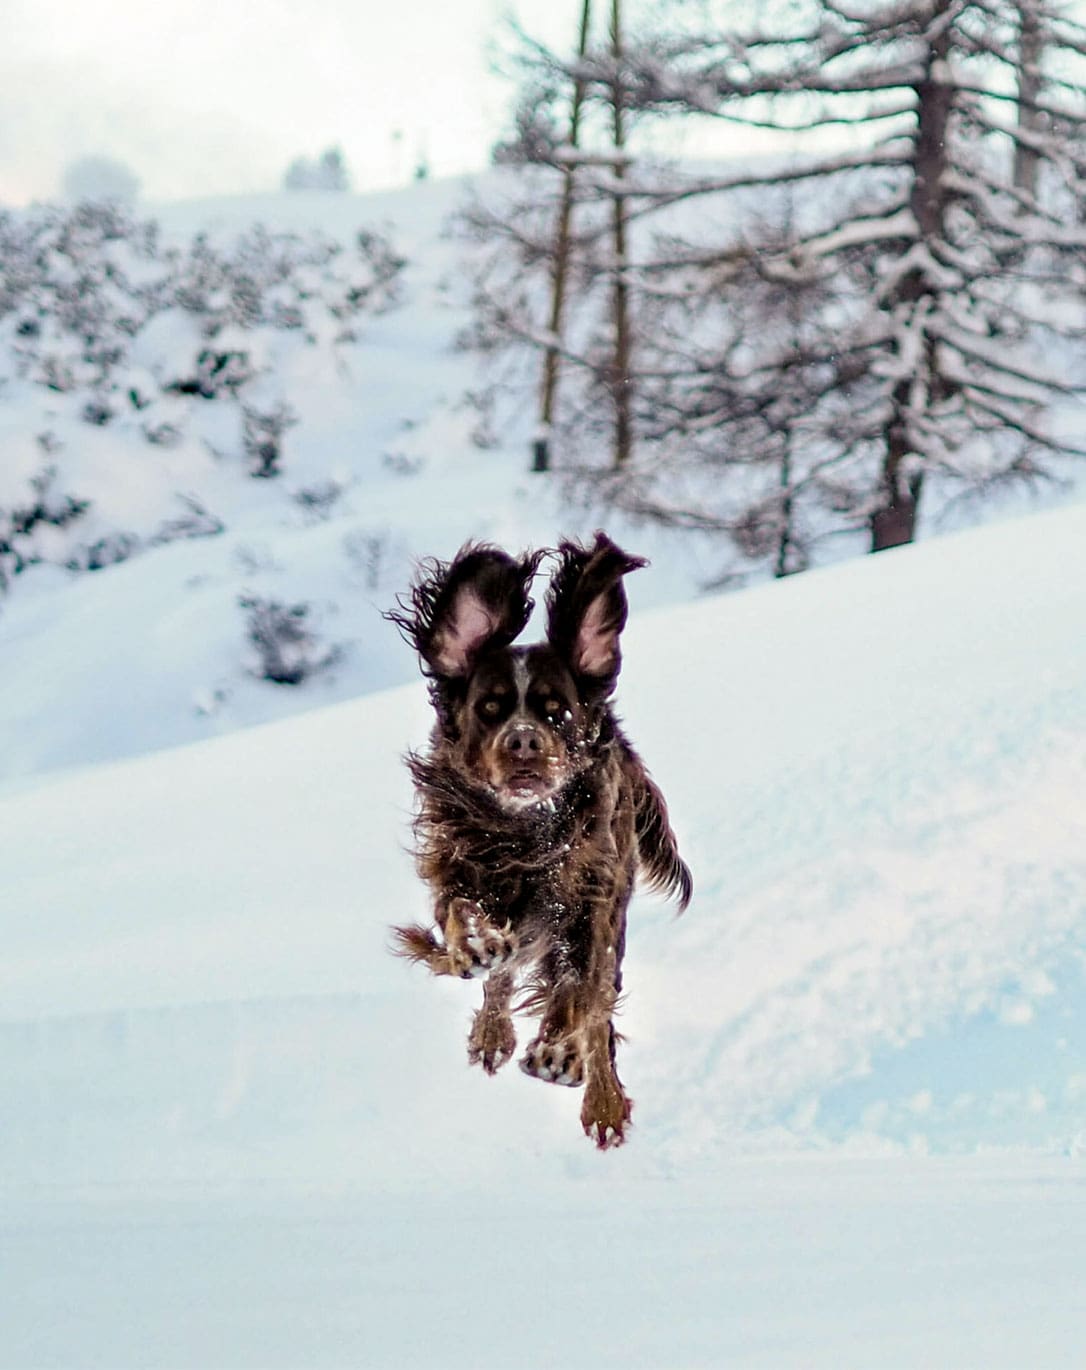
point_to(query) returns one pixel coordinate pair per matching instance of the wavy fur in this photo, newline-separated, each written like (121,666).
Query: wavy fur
(535,815)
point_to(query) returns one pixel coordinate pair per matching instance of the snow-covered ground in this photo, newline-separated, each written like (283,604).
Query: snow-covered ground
(794,1264)
(238,1132)
(235,1131)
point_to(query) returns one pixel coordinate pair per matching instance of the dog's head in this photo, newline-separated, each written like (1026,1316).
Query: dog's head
(521,721)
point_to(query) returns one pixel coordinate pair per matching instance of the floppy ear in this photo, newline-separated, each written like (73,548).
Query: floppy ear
(587,609)
(456,610)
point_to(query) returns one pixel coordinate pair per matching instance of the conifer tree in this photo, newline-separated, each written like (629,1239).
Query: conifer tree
(884,311)
(940,236)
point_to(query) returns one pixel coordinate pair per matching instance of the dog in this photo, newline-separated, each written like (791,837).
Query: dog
(535,814)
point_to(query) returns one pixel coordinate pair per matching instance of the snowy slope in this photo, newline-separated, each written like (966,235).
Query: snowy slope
(238,1132)
(152,651)
(399,424)
(875,771)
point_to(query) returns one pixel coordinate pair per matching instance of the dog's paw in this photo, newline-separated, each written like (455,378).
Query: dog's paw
(606,1111)
(476,947)
(492,1040)
(558,1062)
(489,947)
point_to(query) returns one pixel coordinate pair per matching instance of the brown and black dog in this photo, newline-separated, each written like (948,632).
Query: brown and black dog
(535,814)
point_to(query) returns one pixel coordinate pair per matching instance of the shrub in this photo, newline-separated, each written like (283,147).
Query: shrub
(288,652)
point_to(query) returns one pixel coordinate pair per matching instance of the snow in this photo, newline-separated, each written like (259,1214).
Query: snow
(782,1266)
(238,1132)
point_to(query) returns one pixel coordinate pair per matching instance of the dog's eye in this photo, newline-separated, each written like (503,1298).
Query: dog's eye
(491,707)
(552,706)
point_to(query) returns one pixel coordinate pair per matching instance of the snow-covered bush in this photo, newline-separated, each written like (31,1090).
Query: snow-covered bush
(122,344)
(21,523)
(288,651)
(263,437)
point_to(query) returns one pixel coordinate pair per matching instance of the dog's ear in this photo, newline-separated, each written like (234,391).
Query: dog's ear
(455,610)
(587,609)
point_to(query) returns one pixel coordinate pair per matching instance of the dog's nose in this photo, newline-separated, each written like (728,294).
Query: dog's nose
(523,739)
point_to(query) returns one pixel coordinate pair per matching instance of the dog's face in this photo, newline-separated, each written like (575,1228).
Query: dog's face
(520,721)
(522,724)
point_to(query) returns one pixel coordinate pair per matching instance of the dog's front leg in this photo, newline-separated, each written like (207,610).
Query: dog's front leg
(473,946)
(493,1040)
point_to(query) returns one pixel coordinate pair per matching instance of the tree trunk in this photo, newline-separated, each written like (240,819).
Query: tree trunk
(1030,52)
(894,521)
(541,456)
(783,566)
(620,375)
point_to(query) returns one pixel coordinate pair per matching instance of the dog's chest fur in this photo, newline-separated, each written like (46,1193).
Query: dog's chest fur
(543,863)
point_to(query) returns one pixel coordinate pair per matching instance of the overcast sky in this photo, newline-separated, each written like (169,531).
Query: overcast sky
(212,97)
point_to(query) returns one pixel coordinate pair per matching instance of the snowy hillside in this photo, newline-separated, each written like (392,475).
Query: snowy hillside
(393,447)
(388,430)
(238,1132)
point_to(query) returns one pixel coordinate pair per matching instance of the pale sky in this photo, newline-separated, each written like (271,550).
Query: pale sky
(214,97)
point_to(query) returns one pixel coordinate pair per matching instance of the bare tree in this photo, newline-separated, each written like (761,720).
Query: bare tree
(560,259)
(565,228)
(885,312)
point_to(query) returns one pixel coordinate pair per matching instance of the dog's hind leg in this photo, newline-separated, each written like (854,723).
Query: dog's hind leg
(607,1107)
(556,1053)
(576,1046)
(492,1040)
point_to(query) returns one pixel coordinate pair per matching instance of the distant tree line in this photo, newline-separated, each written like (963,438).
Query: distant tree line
(99,178)
(328,171)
